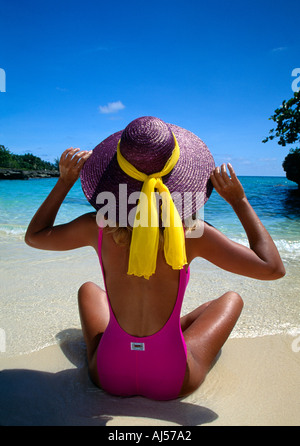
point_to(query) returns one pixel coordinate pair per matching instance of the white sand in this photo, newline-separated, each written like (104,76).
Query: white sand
(255,382)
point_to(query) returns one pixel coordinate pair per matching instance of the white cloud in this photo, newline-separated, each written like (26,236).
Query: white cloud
(267,160)
(111,107)
(279,49)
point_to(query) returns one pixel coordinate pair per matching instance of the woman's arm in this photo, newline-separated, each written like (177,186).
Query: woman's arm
(41,232)
(261,260)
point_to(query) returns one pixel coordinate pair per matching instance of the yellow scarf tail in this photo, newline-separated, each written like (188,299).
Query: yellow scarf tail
(145,234)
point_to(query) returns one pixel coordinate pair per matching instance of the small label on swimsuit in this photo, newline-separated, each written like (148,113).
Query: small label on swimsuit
(137,346)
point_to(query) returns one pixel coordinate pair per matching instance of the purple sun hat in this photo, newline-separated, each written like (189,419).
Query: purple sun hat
(147,143)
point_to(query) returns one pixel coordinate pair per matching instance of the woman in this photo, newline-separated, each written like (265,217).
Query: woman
(137,344)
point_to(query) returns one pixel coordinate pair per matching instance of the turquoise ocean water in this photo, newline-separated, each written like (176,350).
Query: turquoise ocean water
(35,307)
(273,199)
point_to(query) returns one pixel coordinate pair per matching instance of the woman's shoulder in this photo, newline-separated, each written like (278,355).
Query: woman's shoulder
(88,218)
(87,224)
(198,239)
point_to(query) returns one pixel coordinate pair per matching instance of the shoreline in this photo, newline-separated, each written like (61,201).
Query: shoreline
(43,301)
(25,174)
(254,382)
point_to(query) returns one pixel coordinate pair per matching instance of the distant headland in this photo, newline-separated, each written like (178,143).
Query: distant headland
(19,174)
(24,167)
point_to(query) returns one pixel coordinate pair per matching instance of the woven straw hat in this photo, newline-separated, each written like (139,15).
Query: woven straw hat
(147,143)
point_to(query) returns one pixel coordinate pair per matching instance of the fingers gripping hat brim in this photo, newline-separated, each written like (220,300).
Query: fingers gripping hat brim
(188,182)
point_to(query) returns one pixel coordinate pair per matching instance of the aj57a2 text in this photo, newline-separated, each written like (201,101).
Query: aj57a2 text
(166,435)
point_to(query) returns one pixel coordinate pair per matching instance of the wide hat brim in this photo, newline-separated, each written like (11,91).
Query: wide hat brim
(188,182)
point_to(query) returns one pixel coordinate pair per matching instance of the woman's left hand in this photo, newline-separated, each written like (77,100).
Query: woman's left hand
(71,163)
(42,233)
(228,187)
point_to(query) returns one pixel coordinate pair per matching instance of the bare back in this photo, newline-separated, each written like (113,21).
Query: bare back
(141,306)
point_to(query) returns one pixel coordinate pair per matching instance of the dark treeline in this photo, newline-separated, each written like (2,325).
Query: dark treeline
(27,162)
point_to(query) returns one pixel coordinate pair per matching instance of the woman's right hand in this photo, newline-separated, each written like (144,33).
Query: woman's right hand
(71,163)
(261,260)
(228,187)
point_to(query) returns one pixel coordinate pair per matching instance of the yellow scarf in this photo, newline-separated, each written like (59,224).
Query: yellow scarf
(145,234)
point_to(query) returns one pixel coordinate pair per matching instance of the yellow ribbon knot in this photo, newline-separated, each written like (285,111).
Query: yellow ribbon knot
(145,234)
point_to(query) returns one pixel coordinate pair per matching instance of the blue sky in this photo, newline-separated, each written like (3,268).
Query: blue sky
(78,71)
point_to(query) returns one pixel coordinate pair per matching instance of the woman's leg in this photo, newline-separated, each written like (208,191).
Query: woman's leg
(94,316)
(205,330)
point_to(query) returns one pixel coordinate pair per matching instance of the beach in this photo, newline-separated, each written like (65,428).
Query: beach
(255,382)
(44,380)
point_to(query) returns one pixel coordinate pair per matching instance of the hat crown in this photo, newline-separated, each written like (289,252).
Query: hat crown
(147,143)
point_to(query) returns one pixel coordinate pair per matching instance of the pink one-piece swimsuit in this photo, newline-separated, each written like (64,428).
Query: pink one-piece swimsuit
(152,366)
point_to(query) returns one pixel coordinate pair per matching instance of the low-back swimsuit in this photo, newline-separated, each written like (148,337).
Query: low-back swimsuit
(151,366)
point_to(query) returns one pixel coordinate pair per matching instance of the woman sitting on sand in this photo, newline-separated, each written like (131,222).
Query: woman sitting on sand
(137,344)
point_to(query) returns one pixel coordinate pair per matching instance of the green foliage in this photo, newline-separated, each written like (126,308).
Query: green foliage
(287,118)
(26,162)
(291,165)
(56,163)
